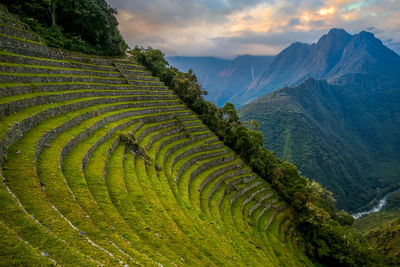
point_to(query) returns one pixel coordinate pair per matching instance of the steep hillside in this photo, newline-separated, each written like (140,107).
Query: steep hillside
(344,136)
(101,164)
(383,231)
(386,239)
(222,78)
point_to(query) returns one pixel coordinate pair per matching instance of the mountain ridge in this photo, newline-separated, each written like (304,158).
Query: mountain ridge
(335,54)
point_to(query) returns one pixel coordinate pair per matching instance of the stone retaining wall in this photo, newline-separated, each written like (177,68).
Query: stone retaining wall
(183,144)
(226,177)
(210,164)
(252,196)
(20,33)
(12,23)
(215,174)
(196,149)
(244,190)
(197,158)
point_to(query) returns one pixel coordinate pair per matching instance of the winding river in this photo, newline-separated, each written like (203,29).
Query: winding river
(377,208)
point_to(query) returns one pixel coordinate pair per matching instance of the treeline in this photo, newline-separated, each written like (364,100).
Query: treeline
(326,231)
(78,25)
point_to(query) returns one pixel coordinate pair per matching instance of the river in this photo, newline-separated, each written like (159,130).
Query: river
(377,208)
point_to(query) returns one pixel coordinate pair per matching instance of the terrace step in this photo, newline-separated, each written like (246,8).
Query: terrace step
(14,245)
(8,108)
(60,78)
(5,13)
(17,89)
(19,33)
(11,22)
(8,57)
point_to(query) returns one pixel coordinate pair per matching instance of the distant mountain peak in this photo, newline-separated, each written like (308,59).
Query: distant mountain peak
(335,36)
(336,54)
(367,35)
(297,44)
(337,31)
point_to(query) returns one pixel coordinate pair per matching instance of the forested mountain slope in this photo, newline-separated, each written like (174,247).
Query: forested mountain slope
(347,136)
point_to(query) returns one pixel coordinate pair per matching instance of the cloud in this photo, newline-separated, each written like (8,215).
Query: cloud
(294,22)
(230,27)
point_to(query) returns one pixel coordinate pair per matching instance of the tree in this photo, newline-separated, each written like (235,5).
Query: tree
(80,25)
(52,9)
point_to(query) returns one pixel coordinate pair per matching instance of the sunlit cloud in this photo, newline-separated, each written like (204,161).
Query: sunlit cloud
(327,11)
(231,27)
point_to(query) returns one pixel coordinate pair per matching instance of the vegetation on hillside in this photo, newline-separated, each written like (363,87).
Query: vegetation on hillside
(79,25)
(382,229)
(326,231)
(386,240)
(322,129)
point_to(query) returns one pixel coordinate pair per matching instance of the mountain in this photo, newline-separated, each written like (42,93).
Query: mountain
(346,137)
(343,131)
(223,78)
(206,68)
(334,55)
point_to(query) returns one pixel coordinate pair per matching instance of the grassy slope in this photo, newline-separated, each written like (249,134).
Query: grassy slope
(119,208)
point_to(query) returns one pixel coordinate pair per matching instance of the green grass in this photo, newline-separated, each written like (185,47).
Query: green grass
(123,208)
(205,193)
(173,187)
(46,68)
(17,252)
(21,175)
(194,185)
(9,99)
(37,84)
(20,116)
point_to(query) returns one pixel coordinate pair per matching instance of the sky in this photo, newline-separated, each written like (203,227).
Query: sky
(226,28)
